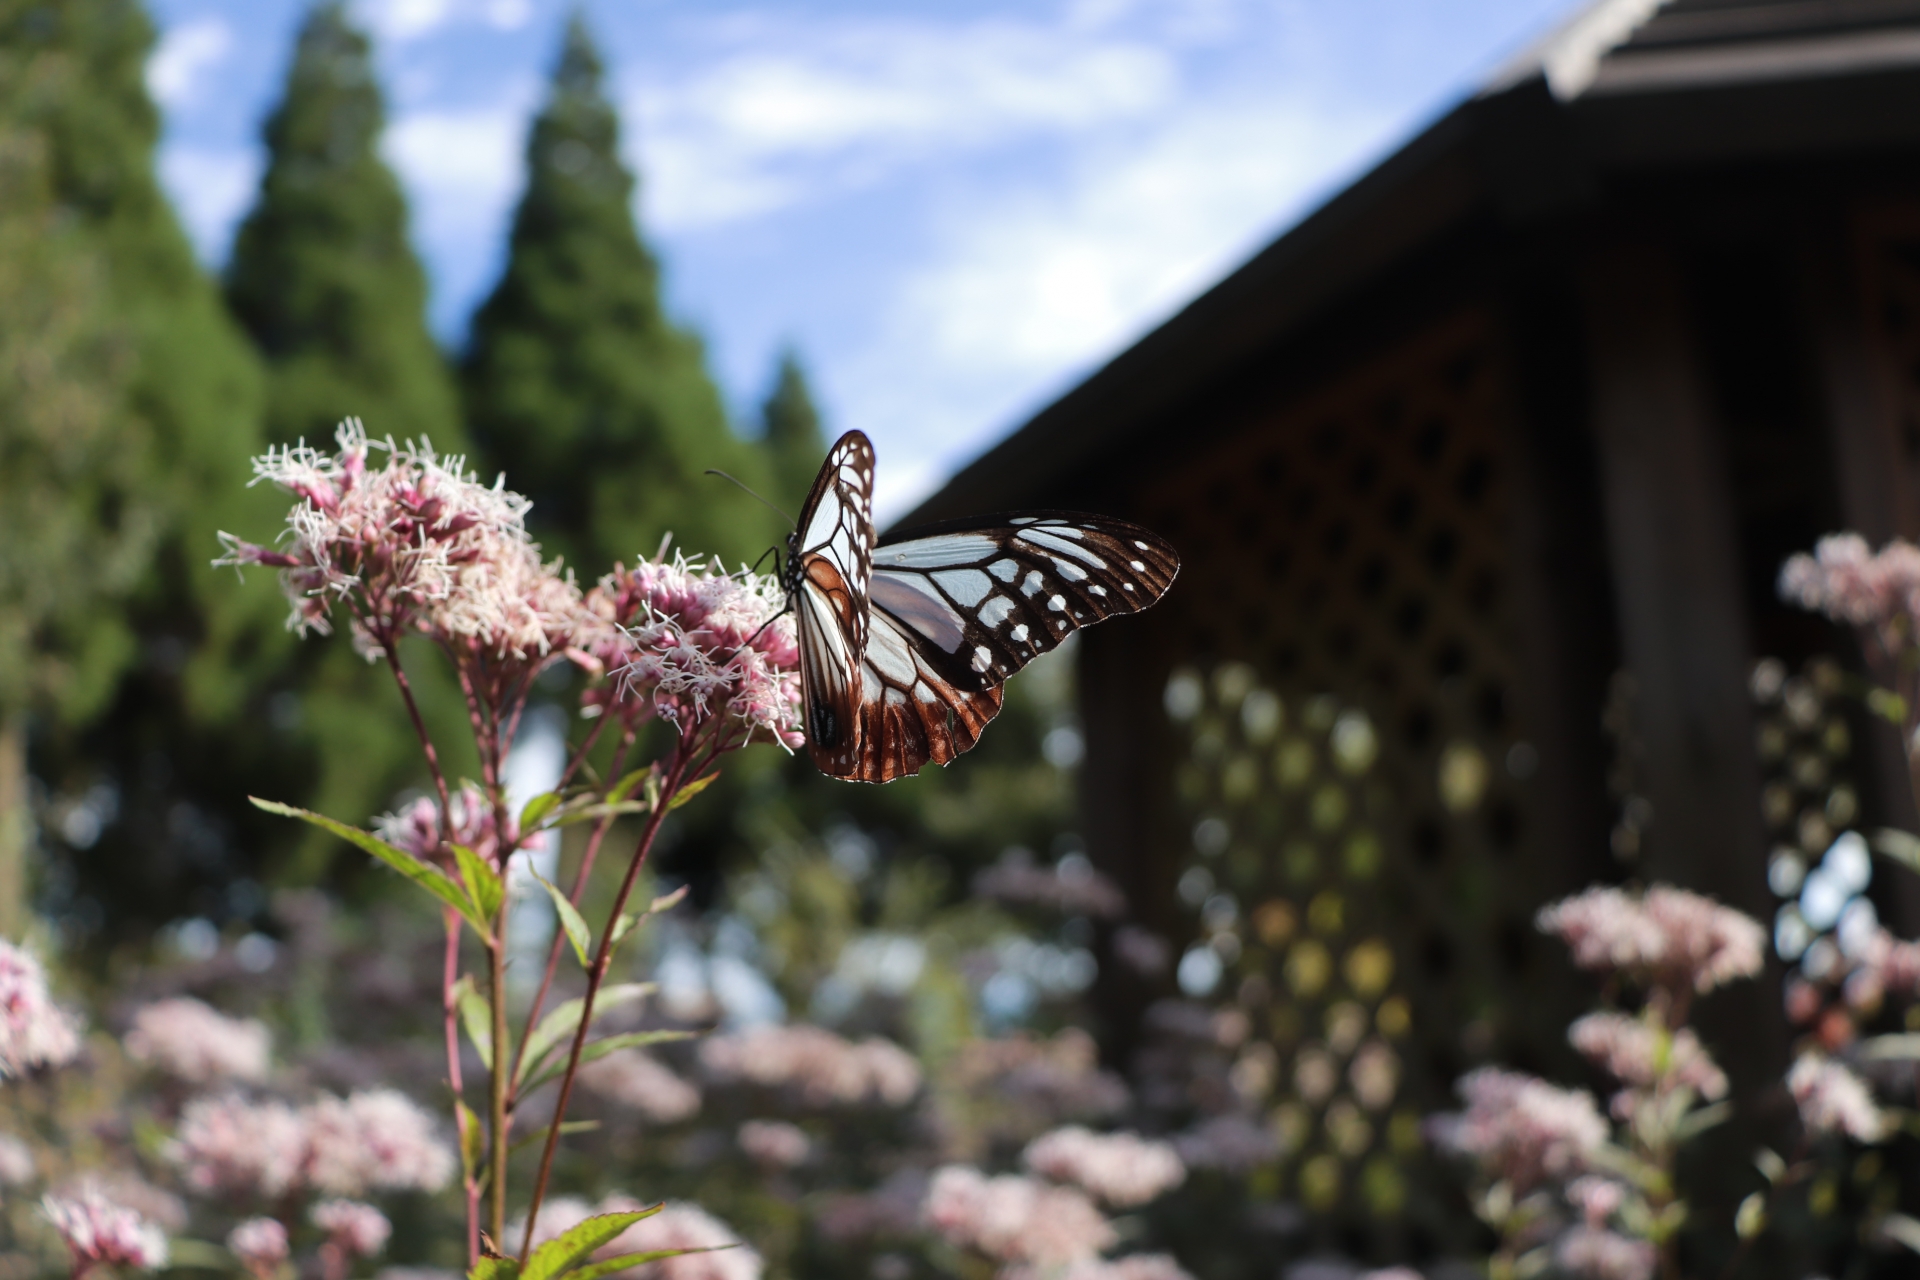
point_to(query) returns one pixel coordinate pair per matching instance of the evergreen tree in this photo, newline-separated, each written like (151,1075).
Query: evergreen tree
(322,274)
(791,436)
(577,384)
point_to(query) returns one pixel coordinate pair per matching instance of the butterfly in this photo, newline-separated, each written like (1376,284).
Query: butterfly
(904,645)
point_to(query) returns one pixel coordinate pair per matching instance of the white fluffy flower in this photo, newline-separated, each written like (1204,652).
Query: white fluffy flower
(34,1032)
(98,1231)
(198,1044)
(1122,1169)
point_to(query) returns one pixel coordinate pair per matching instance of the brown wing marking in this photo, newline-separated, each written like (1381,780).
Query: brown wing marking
(908,713)
(830,677)
(836,524)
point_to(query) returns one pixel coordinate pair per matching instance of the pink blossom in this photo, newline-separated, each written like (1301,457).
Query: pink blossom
(1893,964)
(359,1230)
(1055,1079)
(1667,936)
(691,645)
(228,1145)
(416,544)
(1072,887)
(16,1162)
(1637,1053)
(1391,1273)
(1137,1266)
(98,1231)
(375,1140)
(1014,1219)
(1596,1197)
(1521,1128)
(195,1043)
(416,828)
(1848,582)
(260,1244)
(1834,1100)
(634,1079)
(1604,1255)
(818,1066)
(34,1032)
(775,1143)
(677,1226)
(1122,1169)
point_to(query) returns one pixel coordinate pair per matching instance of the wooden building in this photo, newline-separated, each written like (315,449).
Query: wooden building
(1482,475)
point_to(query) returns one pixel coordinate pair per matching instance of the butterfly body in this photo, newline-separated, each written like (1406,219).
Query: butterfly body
(904,645)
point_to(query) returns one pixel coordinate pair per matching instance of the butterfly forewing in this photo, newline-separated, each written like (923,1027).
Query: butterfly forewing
(989,596)
(832,555)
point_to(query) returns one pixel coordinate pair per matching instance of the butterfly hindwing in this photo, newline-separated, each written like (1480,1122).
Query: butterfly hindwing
(909,712)
(991,595)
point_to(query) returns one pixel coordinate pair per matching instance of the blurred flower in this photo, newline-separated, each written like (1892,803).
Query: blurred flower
(1893,964)
(774,1143)
(375,1140)
(1137,1266)
(815,1064)
(1230,1143)
(688,644)
(1014,1219)
(1522,1129)
(1052,1080)
(98,1231)
(34,1032)
(195,1043)
(1071,887)
(1604,1255)
(1834,1100)
(1647,1056)
(1596,1198)
(634,1079)
(228,1145)
(260,1244)
(1845,580)
(415,544)
(416,828)
(1668,936)
(1120,1168)
(359,1230)
(677,1226)
(16,1162)
(892,1209)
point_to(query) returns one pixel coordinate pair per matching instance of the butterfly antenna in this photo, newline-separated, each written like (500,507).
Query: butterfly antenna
(715,471)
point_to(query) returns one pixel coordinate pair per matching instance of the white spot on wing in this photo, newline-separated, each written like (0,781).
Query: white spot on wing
(937,552)
(1138,567)
(1005,570)
(1019,634)
(967,586)
(1143,546)
(1071,572)
(1057,603)
(1023,520)
(1097,589)
(982,657)
(995,611)
(1046,540)
(1034,583)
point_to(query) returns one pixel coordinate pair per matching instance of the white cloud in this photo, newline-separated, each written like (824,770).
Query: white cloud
(176,70)
(468,160)
(406,21)
(211,188)
(791,116)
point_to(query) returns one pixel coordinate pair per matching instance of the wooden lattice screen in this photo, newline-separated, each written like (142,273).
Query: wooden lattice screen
(1351,798)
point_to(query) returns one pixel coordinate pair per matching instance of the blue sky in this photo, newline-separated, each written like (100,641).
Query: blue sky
(953,210)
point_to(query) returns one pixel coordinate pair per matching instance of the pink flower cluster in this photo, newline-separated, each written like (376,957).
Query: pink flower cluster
(1834,1100)
(195,1043)
(1599,1254)
(375,1140)
(1015,1219)
(775,1143)
(99,1231)
(1073,887)
(1522,1129)
(636,1081)
(686,643)
(1646,1056)
(677,1226)
(1122,1169)
(358,1230)
(415,544)
(820,1067)
(1137,1266)
(1669,937)
(416,828)
(17,1165)
(1848,582)
(260,1244)
(34,1032)
(1059,1078)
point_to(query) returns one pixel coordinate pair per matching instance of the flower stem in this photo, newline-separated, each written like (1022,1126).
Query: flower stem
(498,1079)
(676,772)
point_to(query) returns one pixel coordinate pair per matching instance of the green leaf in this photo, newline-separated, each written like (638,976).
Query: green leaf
(576,1244)
(1770,1165)
(621,928)
(607,1266)
(558,1025)
(612,1044)
(570,919)
(624,788)
(668,902)
(537,1135)
(495,1269)
(476,1017)
(484,885)
(1898,845)
(602,810)
(537,809)
(1888,705)
(427,876)
(473,1145)
(690,790)
(1698,1122)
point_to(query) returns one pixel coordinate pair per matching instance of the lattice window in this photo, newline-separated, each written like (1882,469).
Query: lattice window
(1351,764)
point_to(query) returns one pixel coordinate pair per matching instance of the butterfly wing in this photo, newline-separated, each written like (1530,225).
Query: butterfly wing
(833,552)
(957,608)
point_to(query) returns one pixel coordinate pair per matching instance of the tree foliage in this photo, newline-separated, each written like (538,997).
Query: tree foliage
(790,434)
(578,385)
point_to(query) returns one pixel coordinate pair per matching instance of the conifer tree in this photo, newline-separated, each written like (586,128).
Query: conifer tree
(577,384)
(322,274)
(790,427)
